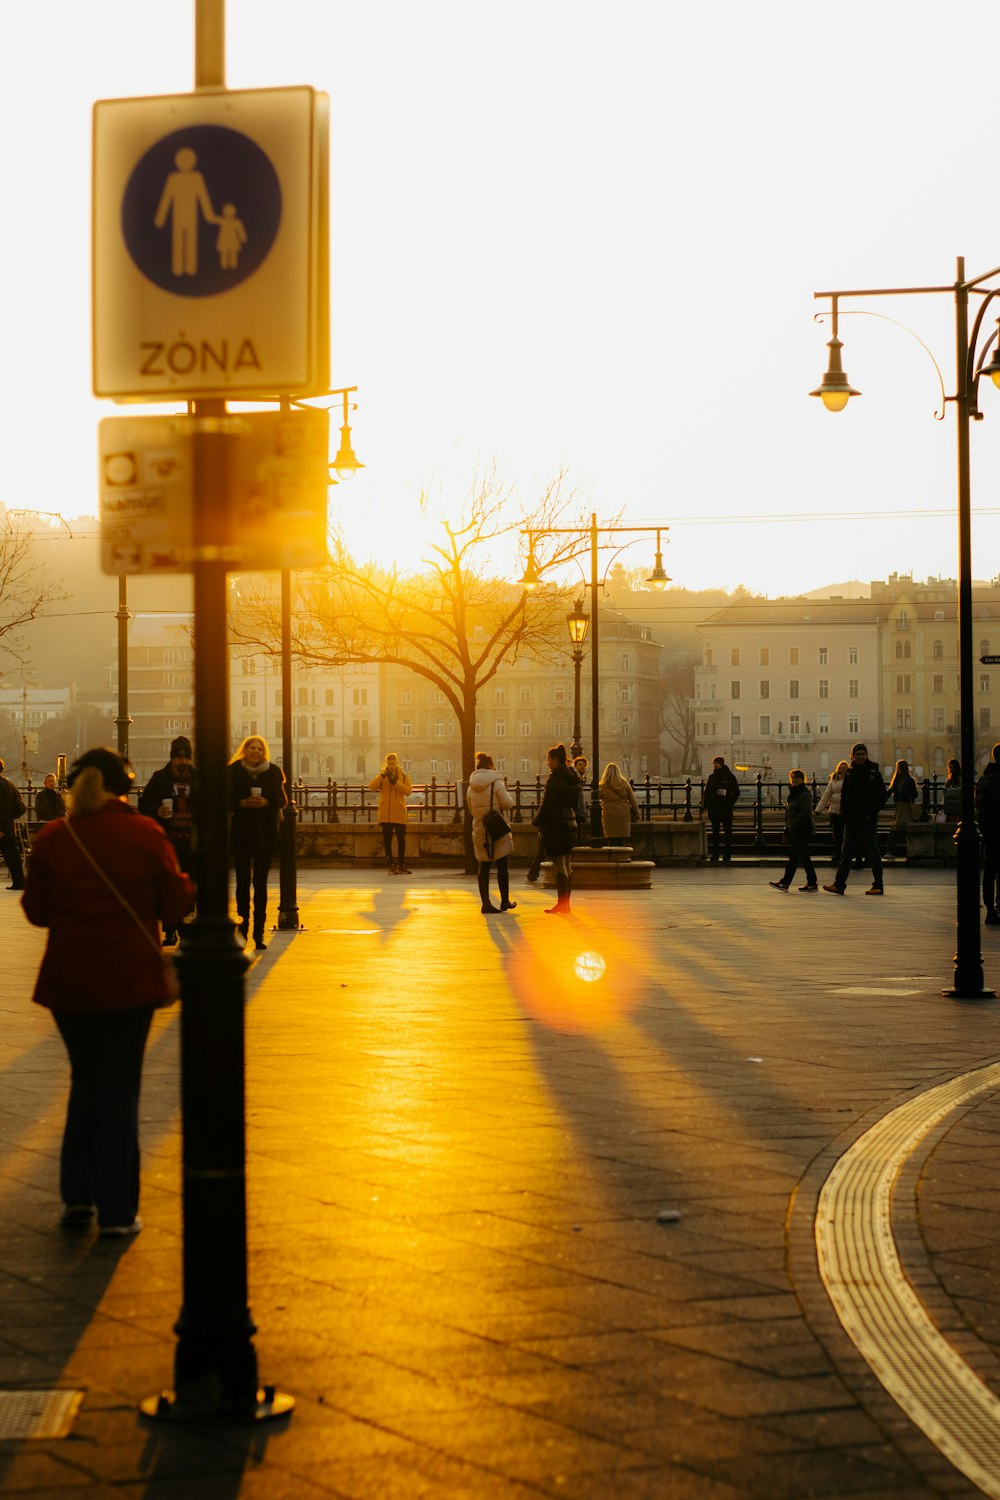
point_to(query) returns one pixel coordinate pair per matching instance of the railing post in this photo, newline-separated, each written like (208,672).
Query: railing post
(925,799)
(759,813)
(687,802)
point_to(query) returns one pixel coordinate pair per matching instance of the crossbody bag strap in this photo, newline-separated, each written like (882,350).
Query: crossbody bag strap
(112,887)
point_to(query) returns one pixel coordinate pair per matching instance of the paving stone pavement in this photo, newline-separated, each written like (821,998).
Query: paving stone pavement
(461,1132)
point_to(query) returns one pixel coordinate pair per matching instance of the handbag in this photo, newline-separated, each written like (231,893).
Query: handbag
(169,969)
(495,825)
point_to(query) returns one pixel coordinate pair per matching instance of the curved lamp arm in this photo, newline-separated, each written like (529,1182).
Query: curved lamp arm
(863,312)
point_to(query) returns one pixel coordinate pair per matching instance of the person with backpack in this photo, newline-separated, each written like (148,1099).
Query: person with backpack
(488,795)
(903,791)
(988,818)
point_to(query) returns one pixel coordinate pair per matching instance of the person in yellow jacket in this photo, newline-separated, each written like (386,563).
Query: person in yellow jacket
(393,786)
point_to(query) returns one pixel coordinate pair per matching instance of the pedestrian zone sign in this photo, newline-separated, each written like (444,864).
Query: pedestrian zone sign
(271,512)
(210,245)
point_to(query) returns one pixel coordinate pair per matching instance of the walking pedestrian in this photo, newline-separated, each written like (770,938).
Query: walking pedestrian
(798,830)
(618,805)
(556,817)
(580,766)
(951,803)
(256,798)
(168,798)
(11,808)
(49,802)
(719,800)
(829,803)
(861,800)
(488,794)
(988,818)
(903,791)
(101,881)
(393,787)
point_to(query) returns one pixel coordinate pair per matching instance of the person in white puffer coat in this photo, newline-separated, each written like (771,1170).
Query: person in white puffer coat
(829,803)
(487,786)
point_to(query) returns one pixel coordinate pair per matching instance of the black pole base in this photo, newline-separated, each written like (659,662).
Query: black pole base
(288,921)
(969,994)
(207,1407)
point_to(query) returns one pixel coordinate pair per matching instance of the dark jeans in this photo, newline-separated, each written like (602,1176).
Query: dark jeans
(12,859)
(253,866)
(858,836)
(837,829)
(723,821)
(399,829)
(798,854)
(100,1149)
(991,871)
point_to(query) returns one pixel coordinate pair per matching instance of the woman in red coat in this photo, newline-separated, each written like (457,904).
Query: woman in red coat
(102,975)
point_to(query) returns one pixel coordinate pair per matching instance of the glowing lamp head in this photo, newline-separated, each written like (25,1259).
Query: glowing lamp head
(532,578)
(578,623)
(346,464)
(834,390)
(658,579)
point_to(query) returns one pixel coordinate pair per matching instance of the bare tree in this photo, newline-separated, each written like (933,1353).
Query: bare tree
(453,622)
(677,719)
(25,589)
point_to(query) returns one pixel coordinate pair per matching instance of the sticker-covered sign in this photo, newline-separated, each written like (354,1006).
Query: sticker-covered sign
(270,512)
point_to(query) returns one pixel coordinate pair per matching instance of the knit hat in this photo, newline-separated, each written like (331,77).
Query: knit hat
(180,746)
(115,770)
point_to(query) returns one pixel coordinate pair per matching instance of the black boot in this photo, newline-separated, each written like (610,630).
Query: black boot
(562,897)
(484,888)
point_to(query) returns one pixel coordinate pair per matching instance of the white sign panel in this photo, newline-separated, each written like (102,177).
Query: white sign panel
(210,261)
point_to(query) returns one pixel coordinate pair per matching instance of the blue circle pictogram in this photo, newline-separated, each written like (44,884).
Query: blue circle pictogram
(201,210)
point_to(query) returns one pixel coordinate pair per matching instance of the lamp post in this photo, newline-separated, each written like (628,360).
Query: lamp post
(835,391)
(578,623)
(533,577)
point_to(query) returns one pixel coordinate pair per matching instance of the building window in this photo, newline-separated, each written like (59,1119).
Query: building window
(249,665)
(852,656)
(524,765)
(360,697)
(764,688)
(938,650)
(938,718)
(525,728)
(500,728)
(708,656)
(793,723)
(360,729)
(524,695)
(852,688)
(500,695)
(793,687)
(984,681)
(902,648)
(824,723)
(765,723)
(405,728)
(793,656)
(439,729)
(734,690)
(406,696)
(938,684)
(329,729)
(559,695)
(765,656)
(904,718)
(304,765)
(984,718)
(277,697)
(853,724)
(437,696)
(823,656)
(302,726)
(735,724)
(303,698)
(626,692)
(902,620)
(984,648)
(626,728)
(824,687)
(734,656)
(902,683)
(626,662)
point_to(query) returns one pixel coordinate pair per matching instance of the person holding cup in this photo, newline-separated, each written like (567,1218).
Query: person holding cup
(168,798)
(256,797)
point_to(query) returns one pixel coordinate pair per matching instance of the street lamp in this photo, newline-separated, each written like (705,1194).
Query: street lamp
(578,623)
(835,392)
(533,577)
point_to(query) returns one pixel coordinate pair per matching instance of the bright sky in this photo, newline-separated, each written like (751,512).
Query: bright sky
(571,234)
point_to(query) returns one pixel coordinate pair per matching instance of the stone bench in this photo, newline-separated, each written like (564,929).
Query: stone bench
(606,868)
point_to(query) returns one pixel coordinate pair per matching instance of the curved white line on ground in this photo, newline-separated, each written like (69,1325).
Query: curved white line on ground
(877,1306)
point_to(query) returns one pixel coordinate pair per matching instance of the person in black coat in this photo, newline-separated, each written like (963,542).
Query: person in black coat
(988,818)
(11,808)
(168,798)
(798,828)
(556,817)
(719,800)
(49,802)
(256,797)
(861,801)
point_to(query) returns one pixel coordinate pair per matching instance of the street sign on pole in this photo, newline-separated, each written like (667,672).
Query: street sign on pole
(210,245)
(990,661)
(272,512)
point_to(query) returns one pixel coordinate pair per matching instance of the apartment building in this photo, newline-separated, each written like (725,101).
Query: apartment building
(787,683)
(335,715)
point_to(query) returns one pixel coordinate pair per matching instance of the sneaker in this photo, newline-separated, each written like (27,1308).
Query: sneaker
(875,890)
(260,945)
(76,1215)
(403,870)
(777,885)
(835,890)
(993,919)
(119,1231)
(808,887)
